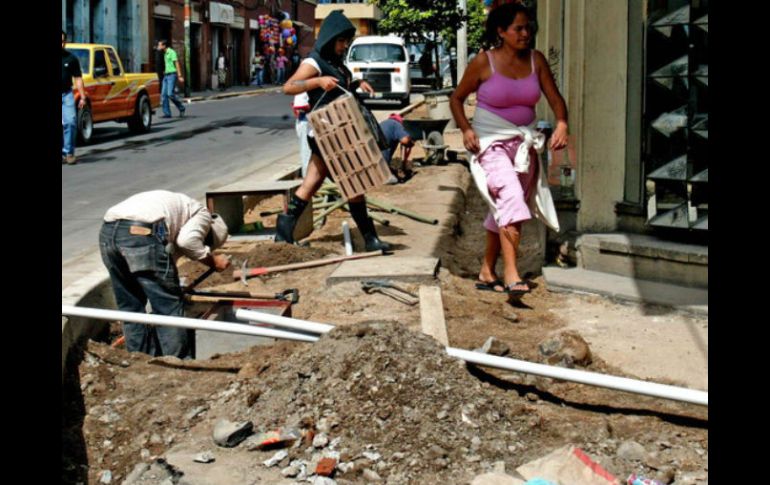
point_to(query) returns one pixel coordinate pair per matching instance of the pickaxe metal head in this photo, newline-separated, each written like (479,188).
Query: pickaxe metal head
(290,295)
(243,273)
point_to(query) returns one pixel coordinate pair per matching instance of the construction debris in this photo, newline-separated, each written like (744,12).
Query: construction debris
(228,434)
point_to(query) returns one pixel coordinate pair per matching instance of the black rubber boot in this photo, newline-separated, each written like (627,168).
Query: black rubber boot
(285,224)
(366,226)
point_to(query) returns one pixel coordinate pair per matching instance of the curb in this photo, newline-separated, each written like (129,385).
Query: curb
(254,92)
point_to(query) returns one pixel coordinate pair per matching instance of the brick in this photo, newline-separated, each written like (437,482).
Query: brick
(325,467)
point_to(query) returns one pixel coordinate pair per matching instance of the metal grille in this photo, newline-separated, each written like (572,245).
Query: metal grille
(380,81)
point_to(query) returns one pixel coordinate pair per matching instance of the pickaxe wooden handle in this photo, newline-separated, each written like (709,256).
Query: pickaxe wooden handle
(250,272)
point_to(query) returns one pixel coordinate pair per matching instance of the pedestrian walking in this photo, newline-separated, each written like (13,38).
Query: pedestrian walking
(70,72)
(318,75)
(509,77)
(222,71)
(172,71)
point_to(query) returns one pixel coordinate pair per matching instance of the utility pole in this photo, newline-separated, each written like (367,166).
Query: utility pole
(187,48)
(462,43)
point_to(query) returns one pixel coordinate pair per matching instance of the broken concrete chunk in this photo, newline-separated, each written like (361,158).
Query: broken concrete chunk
(136,473)
(371,475)
(372,455)
(324,481)
(435,451)
(290,471)
(276,458)
(195,412)
(494,346)
(229,434)
(566,349)
(205,457)
(105,477)
(320,440)
(631,450)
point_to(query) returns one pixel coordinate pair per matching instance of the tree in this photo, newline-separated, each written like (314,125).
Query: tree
(476,19)
(420,20)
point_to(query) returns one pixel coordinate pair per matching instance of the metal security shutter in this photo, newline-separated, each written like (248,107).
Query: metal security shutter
(676,115)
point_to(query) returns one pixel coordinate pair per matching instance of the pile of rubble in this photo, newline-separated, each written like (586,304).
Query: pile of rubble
(378,401)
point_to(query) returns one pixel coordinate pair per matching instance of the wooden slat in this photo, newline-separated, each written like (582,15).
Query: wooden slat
(432,314)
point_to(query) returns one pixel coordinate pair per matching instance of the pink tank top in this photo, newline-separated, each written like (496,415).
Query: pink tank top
(508,98)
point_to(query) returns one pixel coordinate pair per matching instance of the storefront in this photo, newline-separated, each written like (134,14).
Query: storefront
(635,78)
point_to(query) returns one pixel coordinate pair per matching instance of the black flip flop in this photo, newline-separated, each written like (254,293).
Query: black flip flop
(517,293)
(484,286)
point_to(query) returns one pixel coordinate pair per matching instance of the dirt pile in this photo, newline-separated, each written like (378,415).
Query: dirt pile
(380,389)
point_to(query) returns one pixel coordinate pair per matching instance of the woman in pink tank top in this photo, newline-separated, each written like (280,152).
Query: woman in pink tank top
(508,77)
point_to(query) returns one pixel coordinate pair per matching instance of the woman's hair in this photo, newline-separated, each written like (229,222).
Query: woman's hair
(328,52)
(502,17)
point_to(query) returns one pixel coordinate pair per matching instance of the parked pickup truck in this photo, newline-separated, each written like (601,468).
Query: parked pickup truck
(113,94)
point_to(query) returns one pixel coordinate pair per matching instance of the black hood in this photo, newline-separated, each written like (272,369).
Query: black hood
(335,25)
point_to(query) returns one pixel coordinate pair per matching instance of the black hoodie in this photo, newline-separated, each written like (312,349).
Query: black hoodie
(335,25)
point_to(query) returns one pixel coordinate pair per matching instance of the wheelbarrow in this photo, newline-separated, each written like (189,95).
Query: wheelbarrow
(429,134)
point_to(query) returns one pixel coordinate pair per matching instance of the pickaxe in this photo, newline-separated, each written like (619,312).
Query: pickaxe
(290,295)
(244,272)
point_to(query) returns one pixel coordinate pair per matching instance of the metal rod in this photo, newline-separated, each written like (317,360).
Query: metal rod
(397,210)
(336,205)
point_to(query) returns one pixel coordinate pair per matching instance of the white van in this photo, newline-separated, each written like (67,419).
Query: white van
(382,61)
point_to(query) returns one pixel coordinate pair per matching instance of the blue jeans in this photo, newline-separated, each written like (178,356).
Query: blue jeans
(281,74)
(140,269)
(69,123)
(167,92)
(260,77)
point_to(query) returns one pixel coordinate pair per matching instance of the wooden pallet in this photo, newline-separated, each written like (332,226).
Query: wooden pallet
(348,147)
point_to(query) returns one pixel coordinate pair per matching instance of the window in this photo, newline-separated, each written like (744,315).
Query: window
(675,152)
(116,71)
(83,59)
(100,63)
(377,53)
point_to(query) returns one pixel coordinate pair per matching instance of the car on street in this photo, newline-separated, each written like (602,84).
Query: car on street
(382,61)
(112,93)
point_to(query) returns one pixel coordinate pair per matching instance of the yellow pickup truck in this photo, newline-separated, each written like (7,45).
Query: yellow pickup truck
(113,94)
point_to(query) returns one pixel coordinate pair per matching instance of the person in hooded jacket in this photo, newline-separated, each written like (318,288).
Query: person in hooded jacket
(319,74)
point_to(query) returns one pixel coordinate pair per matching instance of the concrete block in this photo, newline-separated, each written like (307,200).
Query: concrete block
(692,300)
(644,257)
(397,268)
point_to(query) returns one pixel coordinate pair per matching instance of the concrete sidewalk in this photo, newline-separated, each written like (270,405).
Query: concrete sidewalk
(231,92)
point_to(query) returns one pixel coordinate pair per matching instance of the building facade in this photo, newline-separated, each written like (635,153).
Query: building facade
(635,77)
(231,27)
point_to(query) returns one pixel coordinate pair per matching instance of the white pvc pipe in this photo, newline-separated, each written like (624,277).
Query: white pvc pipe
(285,322)
(584,377)
(346,236)
(182,322)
